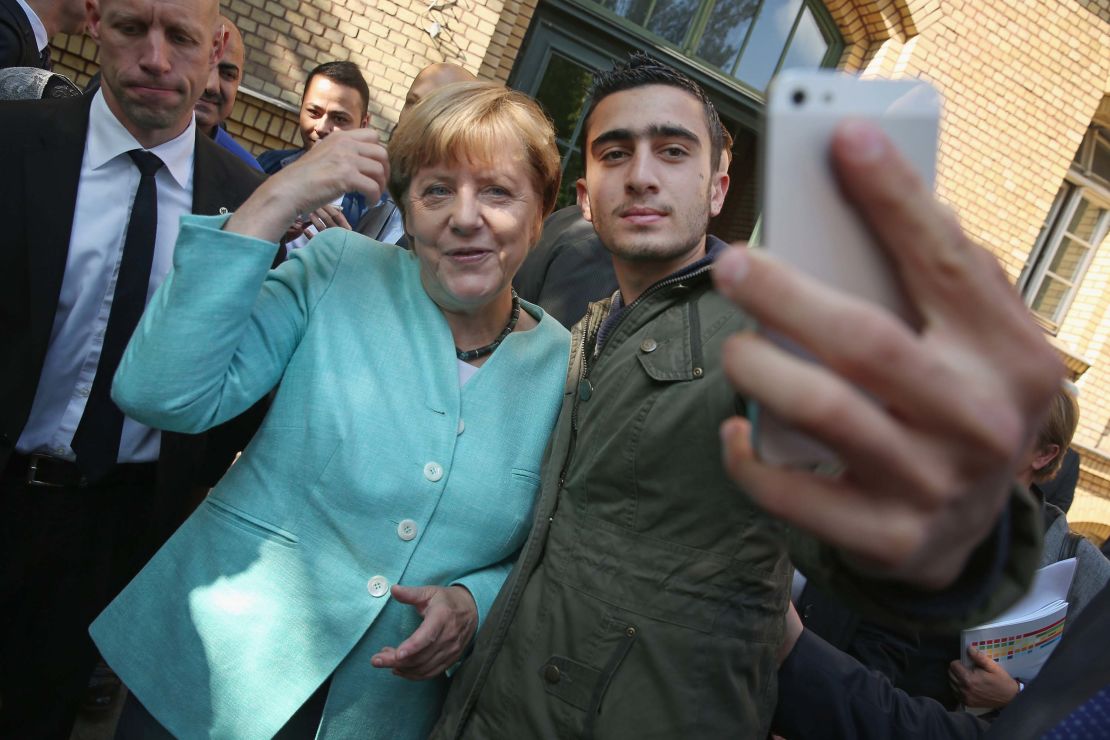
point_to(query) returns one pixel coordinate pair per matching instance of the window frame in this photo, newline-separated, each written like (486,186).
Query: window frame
(1076,188)
(691,40)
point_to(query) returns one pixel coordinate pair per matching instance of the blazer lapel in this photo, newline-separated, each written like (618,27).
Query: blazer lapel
(52,171)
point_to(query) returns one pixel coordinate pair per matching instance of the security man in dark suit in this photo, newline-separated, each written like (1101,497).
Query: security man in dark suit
(92,192)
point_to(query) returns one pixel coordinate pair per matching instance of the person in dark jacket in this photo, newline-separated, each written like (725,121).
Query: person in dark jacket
(26,29)
(568,269)
(827,694)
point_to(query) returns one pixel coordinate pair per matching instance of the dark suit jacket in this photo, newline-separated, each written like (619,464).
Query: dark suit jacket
(41,152)
(18,47)
(567,269)
(826,694)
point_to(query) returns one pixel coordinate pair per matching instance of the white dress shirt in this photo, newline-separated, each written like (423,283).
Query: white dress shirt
(41,37)
(105,195)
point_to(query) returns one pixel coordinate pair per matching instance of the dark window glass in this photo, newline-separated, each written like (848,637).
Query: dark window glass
(808,47)
(563,93)
(769,35)
(634,10)
(725,32)
(672,19)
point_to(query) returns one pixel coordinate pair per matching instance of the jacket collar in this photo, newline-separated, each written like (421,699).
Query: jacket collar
(714,247)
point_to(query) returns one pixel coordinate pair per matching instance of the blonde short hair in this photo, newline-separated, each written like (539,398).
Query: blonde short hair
(1058,429)
(474,122)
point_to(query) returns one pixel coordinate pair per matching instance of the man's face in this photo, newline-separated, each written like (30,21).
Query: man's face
(328,106)
(649,189)
(218,99)
(154,61)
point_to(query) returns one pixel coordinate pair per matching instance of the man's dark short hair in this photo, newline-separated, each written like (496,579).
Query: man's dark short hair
(641,70)
(343,73)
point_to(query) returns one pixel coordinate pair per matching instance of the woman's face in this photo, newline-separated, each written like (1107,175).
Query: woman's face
(471,226)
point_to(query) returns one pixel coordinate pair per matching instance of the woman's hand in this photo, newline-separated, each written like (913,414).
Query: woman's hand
(344,162)
(450,620)
(985,685)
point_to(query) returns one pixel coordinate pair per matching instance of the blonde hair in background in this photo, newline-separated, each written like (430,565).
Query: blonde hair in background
(474,122)
(1058,429)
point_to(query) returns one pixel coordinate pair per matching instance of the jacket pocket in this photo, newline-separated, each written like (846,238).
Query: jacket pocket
(249,523)
(581,685)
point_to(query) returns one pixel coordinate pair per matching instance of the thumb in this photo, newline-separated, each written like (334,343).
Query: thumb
(417,596)
(980,659)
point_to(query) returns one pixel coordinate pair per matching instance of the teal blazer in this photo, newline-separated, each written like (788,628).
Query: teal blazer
(373,467)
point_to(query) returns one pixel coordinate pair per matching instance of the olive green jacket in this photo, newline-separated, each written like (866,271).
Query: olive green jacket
(648,601)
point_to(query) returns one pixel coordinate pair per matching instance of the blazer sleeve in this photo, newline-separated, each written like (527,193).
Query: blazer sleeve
(221,329)
(826,694)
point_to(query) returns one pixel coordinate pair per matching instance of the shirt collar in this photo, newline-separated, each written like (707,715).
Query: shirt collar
(109,139)
(41,37)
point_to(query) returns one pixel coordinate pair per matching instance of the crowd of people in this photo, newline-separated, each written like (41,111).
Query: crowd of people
(360,439)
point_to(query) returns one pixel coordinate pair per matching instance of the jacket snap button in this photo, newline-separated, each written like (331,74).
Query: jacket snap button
(698,372)
(648,345)
(631,632)
(585,390)
(551,673)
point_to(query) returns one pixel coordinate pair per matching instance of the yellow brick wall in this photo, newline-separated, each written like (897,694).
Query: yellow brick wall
(285,39)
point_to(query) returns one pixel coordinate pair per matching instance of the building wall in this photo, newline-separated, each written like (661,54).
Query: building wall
(390,41)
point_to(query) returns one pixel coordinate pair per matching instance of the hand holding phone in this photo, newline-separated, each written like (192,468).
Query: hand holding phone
(929,420)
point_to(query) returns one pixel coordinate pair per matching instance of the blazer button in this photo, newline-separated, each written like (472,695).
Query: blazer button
(406,530)
(551,673)
(378,586)
(433,471)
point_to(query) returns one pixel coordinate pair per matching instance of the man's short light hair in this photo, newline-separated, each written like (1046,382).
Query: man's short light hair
(474,122)
(1058,429)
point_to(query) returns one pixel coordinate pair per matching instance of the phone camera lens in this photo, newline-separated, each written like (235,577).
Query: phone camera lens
(799,97)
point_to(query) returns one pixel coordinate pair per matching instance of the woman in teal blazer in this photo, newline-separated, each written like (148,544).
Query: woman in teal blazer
(387,460)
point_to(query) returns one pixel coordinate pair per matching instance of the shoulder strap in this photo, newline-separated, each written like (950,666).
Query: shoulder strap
(1069,547)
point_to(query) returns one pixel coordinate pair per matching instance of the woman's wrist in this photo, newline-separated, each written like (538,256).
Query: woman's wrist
(267,213)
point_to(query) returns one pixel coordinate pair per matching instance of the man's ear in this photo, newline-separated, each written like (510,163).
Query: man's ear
(583,199)
(219,43)
(365,120)
(1044,456)
(718,191)
(92,15)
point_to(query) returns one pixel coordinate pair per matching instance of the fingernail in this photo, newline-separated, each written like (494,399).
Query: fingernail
(863,142)
(733,266)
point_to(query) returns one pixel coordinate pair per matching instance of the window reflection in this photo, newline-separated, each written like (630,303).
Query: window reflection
(746,39)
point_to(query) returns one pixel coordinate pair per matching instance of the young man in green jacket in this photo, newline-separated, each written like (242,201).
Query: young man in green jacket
(648,601)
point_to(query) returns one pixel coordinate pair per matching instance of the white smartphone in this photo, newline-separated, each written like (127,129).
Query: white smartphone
(806,221)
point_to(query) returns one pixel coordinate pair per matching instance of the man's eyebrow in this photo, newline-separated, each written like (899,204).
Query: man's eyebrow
(615,134)
(654,131)
(666,131)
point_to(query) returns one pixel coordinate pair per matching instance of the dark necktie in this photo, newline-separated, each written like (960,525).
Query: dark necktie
(96,441)
(44,59)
